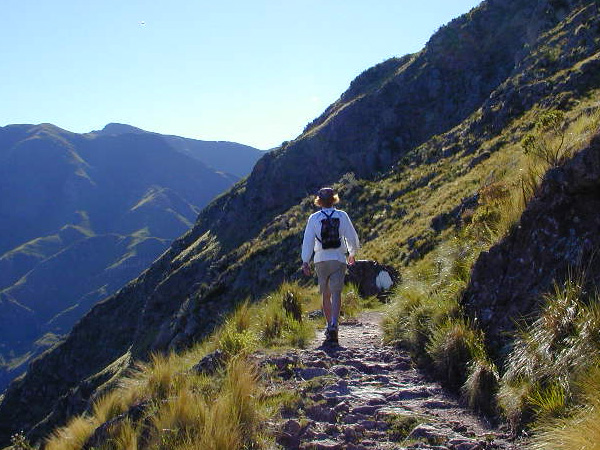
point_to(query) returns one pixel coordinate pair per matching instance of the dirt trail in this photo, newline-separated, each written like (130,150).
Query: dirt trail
(365,395)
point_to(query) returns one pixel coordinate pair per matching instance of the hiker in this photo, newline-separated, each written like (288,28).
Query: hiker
(330,235)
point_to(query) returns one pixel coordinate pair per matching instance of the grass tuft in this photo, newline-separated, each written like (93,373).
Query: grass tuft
(163,404)
(73,436)
(452,347)
(481,387)
(551,354)
(579,430)
(548,401)
(281,318)
(401,425)
(352,304)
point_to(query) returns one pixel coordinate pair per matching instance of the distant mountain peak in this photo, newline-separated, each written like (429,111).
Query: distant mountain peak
(115,129)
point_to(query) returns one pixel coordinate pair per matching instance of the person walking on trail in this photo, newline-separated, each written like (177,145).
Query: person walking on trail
(329,235)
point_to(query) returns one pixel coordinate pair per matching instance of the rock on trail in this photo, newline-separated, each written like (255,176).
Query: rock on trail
(365,395)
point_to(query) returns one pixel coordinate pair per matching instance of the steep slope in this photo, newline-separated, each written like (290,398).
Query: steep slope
(417,133)
(556,237)
(81,216)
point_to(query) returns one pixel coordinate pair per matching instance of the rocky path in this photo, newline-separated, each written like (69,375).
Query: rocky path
(364,395)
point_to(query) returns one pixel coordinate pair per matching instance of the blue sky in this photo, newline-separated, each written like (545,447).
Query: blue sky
(254,72)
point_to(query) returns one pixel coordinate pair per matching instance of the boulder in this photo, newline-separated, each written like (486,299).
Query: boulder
(372,278)
(210,363)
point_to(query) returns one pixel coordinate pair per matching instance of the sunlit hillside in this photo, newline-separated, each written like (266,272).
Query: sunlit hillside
(470,166)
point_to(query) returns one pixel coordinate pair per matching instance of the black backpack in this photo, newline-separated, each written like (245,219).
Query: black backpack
(330,232)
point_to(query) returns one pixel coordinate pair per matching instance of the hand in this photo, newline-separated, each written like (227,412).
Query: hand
(351,260)
(306,269)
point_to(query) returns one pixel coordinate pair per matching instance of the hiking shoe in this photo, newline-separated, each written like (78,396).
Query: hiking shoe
(331,335)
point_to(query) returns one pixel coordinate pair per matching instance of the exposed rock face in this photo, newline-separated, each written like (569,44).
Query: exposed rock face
(557,233)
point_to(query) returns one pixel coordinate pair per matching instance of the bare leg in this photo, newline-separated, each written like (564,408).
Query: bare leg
(336,301)
(327,306)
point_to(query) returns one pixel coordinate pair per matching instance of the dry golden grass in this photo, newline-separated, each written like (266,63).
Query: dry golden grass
(188,411)
(112,404)
(185,410)
(180,413)
(73,436)
(581,429)
(127,436)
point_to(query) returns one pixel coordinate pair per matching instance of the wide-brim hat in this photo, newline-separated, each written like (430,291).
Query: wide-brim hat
(326,193)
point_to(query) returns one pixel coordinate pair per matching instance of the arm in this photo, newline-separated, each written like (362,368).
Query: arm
(351,239)
(308,245)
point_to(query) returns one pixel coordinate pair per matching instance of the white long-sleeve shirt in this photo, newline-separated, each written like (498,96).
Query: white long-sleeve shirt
(348,236)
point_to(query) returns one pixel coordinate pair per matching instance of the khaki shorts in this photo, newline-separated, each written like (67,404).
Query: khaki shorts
(331,274)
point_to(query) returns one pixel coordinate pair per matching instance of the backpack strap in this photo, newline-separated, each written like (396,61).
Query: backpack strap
(329,216)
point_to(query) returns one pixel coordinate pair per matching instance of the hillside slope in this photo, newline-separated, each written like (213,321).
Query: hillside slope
(419,134)
(556,237)
(81,215)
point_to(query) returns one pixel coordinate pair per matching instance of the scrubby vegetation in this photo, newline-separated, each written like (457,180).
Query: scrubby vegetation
(552,355)
(545,381)
(517,108)
(542,383)
(165,405)
(170,402)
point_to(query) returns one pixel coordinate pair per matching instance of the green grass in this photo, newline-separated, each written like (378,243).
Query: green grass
(540,380)
(185,410)
(581,428)
(393,215)
(400,426)
(453,345)
(481,386)
(282,321)
(424,316)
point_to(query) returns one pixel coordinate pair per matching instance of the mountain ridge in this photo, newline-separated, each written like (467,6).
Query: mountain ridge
(225,156)
(62,192)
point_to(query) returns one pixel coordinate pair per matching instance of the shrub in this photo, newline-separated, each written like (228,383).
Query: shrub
(550,355)
(481,386)
(452,347)
(547,140)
